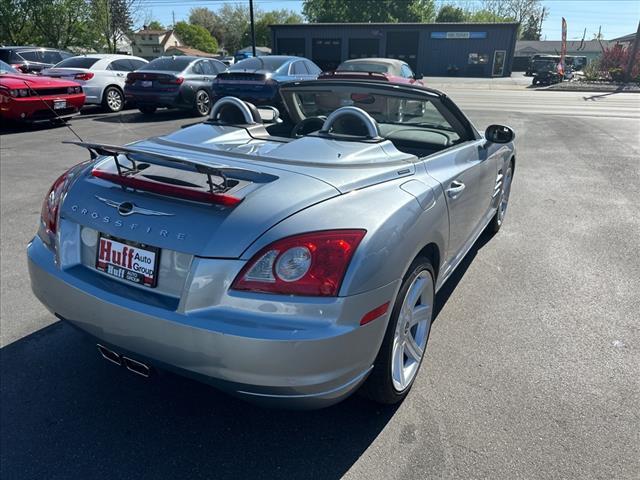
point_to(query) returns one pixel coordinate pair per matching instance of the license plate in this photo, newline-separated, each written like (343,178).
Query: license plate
(146,83)
(131,261)
(58,104)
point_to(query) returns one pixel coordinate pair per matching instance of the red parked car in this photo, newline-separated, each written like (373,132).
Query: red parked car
(31,98)
(389,69)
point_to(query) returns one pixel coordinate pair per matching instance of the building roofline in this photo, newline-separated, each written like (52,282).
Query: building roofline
(383,24)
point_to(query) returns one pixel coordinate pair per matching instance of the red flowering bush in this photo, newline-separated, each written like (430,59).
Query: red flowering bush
(614,62)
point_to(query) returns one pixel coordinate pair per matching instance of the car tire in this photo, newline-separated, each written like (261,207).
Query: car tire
(398,361)
(148,110)
(202,103)
(503,202)
(113,99)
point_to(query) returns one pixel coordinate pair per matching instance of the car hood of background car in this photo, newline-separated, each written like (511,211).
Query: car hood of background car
(18,81)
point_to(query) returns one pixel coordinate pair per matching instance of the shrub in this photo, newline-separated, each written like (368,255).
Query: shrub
(614,61)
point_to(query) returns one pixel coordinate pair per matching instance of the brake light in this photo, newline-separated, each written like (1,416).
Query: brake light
(51,205)
(172,81)
(310,264)
(184,193)
(83,76)
(129,80)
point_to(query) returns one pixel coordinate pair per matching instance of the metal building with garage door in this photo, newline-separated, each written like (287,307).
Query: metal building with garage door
(431,49)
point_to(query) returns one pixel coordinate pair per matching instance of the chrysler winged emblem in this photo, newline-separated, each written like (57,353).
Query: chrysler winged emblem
(127,208)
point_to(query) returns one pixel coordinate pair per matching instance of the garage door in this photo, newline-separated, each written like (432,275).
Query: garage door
(327,53)
(404,46)
(291,46)
(364,47)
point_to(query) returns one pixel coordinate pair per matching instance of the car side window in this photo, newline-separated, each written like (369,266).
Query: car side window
(313,69)
(31,55)
(136,64)
(298,68)
(197,68)
(217,66)
(406,72)
(121,65)
(207,68)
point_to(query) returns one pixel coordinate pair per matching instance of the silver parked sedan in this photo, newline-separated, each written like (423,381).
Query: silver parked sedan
(287,263)
(102,76)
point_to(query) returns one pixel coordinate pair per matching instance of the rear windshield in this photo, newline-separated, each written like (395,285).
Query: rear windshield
(171,64)
(77,62)
(363,67)
(259,63)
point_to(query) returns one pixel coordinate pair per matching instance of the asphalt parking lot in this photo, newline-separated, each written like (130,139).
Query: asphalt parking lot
(533,365)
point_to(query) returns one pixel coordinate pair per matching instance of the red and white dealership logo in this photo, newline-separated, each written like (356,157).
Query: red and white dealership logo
(116,254)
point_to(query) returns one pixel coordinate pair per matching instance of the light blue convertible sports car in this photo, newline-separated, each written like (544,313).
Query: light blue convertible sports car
(290,263)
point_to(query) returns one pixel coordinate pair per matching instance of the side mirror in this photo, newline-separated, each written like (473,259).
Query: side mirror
(499,134)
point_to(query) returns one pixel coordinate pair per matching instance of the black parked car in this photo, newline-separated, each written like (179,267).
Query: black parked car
(32,59)
(257,79)
(174,82)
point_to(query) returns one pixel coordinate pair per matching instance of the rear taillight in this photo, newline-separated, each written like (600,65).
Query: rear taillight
(311,264)
(184,193)
(130,80)
(172,81)
(83,76)
(51,205)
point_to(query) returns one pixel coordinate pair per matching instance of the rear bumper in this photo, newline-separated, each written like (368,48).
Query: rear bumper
(263,362)
(154,99)
(34,109)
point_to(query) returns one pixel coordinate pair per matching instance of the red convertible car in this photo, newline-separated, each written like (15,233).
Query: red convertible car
(31,98)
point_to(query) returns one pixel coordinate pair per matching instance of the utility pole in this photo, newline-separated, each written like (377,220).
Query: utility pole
(632,57)
(173,16)
(253,28)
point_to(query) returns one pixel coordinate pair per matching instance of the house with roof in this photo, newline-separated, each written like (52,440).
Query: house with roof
(190,52)
(150,44)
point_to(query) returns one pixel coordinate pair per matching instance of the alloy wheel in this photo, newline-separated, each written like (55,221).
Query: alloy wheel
(412,331)
(114,100)
(203,103)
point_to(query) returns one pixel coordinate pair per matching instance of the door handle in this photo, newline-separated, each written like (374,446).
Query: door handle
(455,189)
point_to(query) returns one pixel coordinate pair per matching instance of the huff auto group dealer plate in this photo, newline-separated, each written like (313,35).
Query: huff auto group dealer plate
(129,261)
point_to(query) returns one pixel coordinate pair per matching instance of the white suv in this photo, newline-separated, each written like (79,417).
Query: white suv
(102,76)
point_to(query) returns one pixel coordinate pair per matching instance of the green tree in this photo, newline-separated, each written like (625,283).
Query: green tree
(264,19)
(16,22)
(196,36)
(234,27)
(451,13)
(155,25)
(369,10)
(112,19)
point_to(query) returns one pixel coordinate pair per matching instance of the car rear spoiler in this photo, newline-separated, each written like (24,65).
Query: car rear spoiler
(126,175)
(181,163)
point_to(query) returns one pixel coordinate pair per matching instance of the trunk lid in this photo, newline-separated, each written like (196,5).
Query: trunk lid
(269,195)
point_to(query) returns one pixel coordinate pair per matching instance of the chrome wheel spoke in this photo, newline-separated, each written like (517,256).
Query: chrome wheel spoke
(412,349)
(420,314)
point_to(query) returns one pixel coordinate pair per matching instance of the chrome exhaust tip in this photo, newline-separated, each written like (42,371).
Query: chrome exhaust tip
(137,367)
(109,355)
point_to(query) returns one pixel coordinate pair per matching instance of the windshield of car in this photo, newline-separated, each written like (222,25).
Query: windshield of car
(259,63)
(77,62)
(172,64)
(6,68)
(363,67)
(404,117)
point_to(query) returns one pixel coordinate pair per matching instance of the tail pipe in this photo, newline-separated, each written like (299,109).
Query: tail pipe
(109,355)
(130,364)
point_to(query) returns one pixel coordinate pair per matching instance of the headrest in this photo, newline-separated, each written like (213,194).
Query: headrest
(233,111)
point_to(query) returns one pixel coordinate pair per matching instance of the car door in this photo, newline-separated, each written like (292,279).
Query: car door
(468,177)
(118,70)
(299,71)
(195,79)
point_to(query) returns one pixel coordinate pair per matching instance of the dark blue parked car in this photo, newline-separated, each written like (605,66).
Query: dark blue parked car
(257,79)
(173,82)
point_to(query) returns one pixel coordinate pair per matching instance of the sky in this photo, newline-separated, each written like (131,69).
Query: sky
(616,17)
